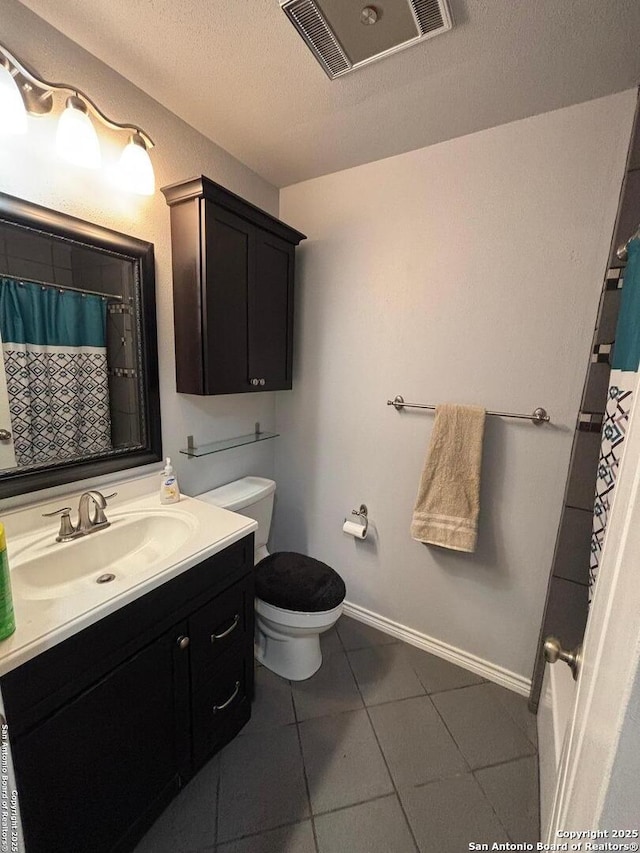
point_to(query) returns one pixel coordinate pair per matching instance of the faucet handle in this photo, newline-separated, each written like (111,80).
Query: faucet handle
(108,497)
(65,510)
(66,527)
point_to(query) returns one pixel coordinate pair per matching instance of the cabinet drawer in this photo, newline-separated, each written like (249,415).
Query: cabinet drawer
(219,625)
(222,705)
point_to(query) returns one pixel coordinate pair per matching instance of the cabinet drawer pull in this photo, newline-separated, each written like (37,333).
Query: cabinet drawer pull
(226,633)
(226,704)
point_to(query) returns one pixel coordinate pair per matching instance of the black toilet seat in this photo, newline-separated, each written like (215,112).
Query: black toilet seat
(294,581)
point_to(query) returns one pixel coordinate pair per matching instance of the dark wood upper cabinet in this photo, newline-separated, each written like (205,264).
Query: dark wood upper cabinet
(233,274)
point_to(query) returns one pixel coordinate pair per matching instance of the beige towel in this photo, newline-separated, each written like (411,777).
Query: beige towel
(448,502)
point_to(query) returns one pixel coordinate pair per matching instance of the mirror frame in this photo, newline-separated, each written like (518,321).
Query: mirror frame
(17,211)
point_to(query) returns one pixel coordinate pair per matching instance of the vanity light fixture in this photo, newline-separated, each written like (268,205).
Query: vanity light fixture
(76,137)
(22,92)
(135,171)
(13,115)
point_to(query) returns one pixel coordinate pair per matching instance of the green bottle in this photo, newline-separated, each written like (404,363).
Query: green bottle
(7,619)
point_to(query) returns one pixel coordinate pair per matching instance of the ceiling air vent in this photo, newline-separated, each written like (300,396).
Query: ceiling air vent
(347,34)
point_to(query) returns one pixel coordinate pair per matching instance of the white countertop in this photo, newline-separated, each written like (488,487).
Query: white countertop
(43,622)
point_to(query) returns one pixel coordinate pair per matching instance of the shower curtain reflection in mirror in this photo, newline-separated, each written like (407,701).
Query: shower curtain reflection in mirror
(55,381)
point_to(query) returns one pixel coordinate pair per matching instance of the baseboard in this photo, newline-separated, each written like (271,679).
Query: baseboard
(497,674)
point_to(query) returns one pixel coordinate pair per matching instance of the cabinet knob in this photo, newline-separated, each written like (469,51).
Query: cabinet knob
(263,381)
(254,381)
(182,642)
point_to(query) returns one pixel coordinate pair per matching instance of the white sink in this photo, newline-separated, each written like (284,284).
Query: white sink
(135,541)
(54,584)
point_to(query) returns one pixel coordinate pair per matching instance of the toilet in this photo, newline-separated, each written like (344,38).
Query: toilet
(297,597)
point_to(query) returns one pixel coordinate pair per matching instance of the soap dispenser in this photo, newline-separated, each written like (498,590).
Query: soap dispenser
(169,489)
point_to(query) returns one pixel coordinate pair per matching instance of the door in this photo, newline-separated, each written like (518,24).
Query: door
(271,313)
(111,757)
(609,664)
(228,261)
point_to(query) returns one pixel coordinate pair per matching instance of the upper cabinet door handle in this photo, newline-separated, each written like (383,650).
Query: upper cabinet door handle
(226,633)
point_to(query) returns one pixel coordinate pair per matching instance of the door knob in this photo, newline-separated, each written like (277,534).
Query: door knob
(553,651)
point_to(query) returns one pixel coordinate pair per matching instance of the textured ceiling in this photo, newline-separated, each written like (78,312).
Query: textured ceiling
(237,71)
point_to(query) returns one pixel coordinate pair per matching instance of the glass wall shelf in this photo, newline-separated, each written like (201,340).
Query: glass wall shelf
(193,450)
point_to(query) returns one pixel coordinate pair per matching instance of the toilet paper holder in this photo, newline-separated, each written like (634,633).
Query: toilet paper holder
(363,515)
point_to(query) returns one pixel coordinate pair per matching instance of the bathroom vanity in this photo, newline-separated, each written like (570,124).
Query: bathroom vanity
(108,724)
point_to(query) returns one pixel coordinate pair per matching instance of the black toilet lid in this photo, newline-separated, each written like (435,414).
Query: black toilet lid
(297,582)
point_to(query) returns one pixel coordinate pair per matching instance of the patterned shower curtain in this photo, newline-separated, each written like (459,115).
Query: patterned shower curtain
(55,361)
(623,384)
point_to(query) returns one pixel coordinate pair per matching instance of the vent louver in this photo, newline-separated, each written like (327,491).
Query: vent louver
(310,23)
(332,29)
(428,14)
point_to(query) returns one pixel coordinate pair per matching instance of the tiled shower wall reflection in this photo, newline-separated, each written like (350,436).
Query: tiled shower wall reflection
(566,608)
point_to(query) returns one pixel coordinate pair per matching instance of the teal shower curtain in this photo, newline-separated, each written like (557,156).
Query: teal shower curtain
(55,361)
(623,384)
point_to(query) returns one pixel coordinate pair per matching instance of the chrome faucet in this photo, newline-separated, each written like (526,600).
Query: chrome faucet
(88,522)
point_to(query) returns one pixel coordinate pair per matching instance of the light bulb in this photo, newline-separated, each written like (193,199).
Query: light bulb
(13,115)
(135,171)
(76,138)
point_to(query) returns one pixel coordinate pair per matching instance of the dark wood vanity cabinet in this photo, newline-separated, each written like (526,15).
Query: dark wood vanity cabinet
(233,275)
(107,726)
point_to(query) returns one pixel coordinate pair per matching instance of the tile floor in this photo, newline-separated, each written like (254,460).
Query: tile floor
(387,749)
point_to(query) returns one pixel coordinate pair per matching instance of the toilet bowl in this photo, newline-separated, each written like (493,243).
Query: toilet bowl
(287,641)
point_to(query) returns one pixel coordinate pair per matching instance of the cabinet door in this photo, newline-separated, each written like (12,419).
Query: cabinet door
(271,313)
(221,705)
(94,775)
(227,260)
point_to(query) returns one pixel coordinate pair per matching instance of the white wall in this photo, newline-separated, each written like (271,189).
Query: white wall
(30,169)
(468,272)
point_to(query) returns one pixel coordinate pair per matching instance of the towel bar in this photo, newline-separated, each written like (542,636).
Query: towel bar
(538,416)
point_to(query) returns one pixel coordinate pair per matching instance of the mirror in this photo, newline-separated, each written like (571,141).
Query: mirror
(78,352)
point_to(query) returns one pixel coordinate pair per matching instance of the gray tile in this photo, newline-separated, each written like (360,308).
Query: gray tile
(357,635)
(518,709)
(574,546)
(629,213)
(594,398)
(445,816)
(384,674)
(261,783)
(512,789)
(437,674)
(481,726)
(634,157)
(297,838)
(567,610)
(189,822)
(273,704)
(608,316)
(330,643)
(584,467)
(375,827)
(330,691)
(415,742)
(343,761)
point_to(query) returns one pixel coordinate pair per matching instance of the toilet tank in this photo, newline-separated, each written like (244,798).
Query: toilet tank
(251,496)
